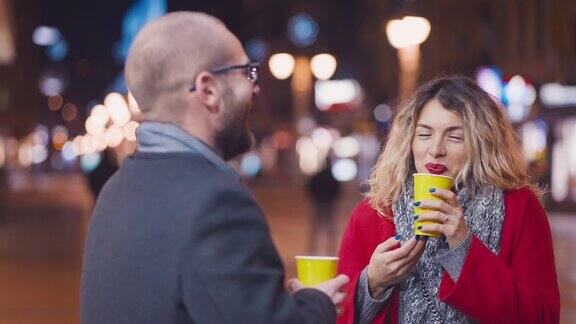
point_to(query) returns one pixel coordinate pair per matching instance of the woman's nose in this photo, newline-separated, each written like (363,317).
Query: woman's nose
(438,149)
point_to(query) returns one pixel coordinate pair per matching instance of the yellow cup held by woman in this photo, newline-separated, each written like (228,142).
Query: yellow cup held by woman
(313,270)
(422,184)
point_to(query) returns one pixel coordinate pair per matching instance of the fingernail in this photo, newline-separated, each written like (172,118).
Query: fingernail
(417,204)
(416,217)
(417,237)
(420,227)
(398,237)
(432,189)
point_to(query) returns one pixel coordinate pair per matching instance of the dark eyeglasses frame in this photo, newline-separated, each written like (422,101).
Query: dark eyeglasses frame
(251,71)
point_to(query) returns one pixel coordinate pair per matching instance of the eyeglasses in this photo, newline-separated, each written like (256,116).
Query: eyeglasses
(250,71)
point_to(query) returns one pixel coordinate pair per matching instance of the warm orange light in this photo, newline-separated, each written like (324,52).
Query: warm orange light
(69,112)
(55,102)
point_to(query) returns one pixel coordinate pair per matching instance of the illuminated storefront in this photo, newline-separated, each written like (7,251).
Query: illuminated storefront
(559,111)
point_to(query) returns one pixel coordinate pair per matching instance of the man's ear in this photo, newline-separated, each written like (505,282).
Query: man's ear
(208,91)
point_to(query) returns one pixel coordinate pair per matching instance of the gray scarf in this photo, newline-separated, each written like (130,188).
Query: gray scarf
(419,303)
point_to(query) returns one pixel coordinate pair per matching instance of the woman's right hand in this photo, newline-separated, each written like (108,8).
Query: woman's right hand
(388,267)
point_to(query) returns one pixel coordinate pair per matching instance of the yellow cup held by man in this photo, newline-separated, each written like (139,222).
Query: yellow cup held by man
(422,184)
(313,270)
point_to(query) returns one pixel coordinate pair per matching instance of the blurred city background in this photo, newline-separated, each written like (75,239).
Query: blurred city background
(332,74)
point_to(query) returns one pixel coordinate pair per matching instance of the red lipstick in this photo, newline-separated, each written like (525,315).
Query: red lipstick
(435,168)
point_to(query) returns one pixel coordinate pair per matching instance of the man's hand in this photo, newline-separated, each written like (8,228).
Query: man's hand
(332,288)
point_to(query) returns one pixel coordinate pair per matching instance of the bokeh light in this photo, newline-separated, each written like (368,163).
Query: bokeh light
(114,135)
(130,130)
(490,79)
(88,144)
(59,137)
(408,31)
(25,155)
(305,125)
(55,102)
(51,85)
(257,49)
(117,108)
(322,138)
(68,152)
(282,140)
(39,154)
(45,35)
(69,112)
(346,147)
(344,170)
(41,135)
(302,30)
(281,65)
(89,161)
(57,51)
(323,66)
(309,157)
(382,113)
(251,164)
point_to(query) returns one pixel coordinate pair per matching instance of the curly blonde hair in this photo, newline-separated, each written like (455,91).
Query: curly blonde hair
(493,155)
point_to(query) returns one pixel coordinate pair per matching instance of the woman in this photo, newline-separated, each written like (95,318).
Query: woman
(494,261)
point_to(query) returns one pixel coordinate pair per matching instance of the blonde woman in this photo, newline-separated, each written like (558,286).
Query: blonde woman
(494,261)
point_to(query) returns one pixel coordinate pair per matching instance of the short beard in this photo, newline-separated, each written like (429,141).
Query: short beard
(234,138)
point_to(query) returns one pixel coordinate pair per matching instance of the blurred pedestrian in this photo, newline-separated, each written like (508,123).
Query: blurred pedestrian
(324,191)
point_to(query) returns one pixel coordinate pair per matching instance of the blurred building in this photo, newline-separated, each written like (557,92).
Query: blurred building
(66,58)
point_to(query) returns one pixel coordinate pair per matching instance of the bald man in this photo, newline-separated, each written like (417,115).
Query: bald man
(175,237)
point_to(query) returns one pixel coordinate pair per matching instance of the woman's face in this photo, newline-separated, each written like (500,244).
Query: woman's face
(438,142)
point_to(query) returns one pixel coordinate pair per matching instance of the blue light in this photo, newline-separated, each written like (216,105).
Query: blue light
(541,124)
(68,152)
(46,36)
(140,13)
(302,30)
(58,51)
(251,164)
(119,84)
(344,170)
(489,78)
(257,49)
(89,162)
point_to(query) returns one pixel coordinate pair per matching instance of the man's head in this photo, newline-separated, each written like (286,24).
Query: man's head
(183,69)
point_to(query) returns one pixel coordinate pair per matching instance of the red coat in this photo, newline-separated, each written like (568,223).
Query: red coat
(518,285)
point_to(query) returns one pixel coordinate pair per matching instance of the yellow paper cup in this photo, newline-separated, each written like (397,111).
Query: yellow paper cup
(313,270)
(422,184)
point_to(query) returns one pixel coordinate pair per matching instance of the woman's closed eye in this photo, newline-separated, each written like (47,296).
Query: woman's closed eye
(424,135)
(455,138)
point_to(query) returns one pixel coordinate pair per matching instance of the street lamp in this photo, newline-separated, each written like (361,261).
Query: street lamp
(301,68)
(323,66)
(281,65)
(406,35)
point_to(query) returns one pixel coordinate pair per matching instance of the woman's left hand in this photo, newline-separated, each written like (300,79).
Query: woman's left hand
(448,215)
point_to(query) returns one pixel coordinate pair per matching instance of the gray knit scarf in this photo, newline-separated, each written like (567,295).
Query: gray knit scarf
(419,303)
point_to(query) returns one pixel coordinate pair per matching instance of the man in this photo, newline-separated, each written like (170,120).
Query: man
(175,237)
